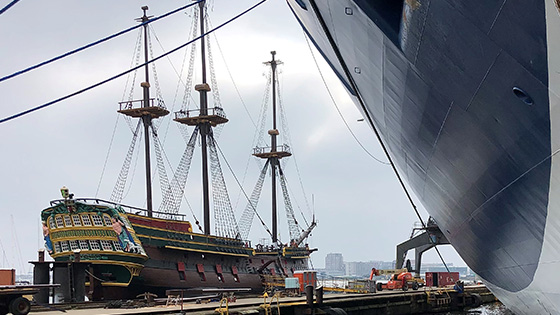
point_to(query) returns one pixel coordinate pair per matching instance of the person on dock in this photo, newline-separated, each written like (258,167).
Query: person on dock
(459,286)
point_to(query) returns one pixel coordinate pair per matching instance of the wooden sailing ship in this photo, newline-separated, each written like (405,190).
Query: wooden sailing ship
(134,250)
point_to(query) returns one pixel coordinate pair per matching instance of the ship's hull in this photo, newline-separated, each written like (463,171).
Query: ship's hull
(465,97)
(147,254)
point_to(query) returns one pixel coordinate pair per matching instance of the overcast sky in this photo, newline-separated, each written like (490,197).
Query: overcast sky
(360,208)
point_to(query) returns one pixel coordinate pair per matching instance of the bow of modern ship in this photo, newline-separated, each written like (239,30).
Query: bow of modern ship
(464,96)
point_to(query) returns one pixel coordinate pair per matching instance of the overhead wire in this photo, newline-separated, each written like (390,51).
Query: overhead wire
(15,74)
(130,70)
(9,5)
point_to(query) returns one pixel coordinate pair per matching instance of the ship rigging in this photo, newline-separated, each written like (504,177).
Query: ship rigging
(134,250)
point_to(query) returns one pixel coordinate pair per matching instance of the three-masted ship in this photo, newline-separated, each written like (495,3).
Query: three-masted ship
(135,250)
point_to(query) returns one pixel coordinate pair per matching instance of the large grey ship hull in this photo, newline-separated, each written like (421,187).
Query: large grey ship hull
(465,96)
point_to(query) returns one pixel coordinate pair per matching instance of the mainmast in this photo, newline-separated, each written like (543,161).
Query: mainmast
(204,127)
(204,119)
(145,110)
(147,119)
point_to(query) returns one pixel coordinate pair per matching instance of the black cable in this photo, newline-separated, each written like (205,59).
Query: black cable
(338,109)
(15,74)
(130,70)
(4,9)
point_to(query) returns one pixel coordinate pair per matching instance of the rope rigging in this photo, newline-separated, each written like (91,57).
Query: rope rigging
(243,191)
(180,81)
(258,139)
(184,197)
(292,222)
(231,77)
(107,156)
(190,73)
(288,141)
(172,201)
(153,125)
(273,159)
(295,200)
(3,120)
(213,80)
(248,215)
(215,90)
(163,179)
(259,136)
(136,158)
(117,194)
(134,62)
(226,225)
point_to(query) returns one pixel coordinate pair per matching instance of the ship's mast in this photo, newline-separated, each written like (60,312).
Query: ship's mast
(146,111)
(274,155)
(147,119)
(204,127)
(204,119)
(273,133)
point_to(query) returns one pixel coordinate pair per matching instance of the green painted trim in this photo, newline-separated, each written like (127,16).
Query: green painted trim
(82,233)
(147,240)
(81,207)
(104,257)
(162,238)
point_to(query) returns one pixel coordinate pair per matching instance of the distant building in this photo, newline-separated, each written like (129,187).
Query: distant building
(358,268)
(334,264)
(362,269)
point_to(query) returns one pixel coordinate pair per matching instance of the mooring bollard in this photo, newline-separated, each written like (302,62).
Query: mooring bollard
(309,295)
(319,295)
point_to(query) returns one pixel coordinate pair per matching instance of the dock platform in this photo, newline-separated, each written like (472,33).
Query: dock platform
(424,300)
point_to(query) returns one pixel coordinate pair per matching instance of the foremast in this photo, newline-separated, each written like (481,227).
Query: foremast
(146,111)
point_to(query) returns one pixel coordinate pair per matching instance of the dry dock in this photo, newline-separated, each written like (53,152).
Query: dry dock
(385,302)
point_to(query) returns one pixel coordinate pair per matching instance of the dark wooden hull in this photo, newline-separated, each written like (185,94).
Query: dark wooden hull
(163,254)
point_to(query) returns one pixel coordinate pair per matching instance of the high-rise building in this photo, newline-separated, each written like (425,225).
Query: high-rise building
(334,262)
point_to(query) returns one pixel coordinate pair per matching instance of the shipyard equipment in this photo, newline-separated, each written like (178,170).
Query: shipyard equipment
(400,279)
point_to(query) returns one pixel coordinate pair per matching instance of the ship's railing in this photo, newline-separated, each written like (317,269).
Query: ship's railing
(130,104)
(128,209)
(272,248)
(213,111)
(279,148)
